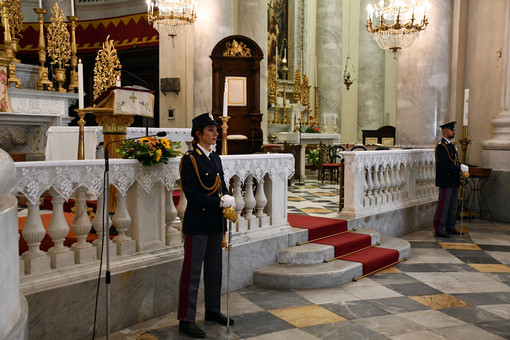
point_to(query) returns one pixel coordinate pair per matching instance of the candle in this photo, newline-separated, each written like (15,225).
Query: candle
(316,71)
(40,3)
(285,53)
(80,84)
(466,108)
(117,82)
(225,99)
(276,62)
(72,8)
(148,5)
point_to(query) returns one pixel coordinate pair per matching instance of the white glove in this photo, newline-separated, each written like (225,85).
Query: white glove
(464,168)
(227,201)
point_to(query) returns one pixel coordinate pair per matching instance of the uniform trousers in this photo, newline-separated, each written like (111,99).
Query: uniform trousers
(198,249)
(446,209)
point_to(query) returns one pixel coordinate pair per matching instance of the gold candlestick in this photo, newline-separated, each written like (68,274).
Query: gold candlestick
(317,105)
(271,76)
(224,128)
(464,142)
(81,134)
(7,31)
(73,85)
(277,92)
(43,83)
(285,72)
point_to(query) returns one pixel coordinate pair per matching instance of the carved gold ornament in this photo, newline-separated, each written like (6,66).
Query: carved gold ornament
(236,49)
(15,16)
(107,68)
(59,47)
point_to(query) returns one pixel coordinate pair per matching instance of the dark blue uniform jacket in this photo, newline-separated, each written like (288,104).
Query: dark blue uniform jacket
(447,165)
(203,213)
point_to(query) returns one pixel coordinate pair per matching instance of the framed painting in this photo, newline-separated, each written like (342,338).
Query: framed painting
(277,28)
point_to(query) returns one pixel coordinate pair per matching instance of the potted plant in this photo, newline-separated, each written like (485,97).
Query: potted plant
(313,158)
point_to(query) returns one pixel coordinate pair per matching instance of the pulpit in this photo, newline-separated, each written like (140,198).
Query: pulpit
(114,110)
(236,60)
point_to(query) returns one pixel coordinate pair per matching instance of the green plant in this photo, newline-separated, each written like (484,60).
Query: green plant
(313,157)
(149,150)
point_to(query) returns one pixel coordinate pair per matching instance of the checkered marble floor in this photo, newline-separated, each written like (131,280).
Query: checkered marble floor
(456,288)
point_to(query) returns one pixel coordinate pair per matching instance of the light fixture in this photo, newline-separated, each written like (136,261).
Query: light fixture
(400,22)
(167,16)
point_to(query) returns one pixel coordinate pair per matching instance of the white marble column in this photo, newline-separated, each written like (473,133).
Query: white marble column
(370,78)
(252,22)
(423,80)
(329,55)
(215,21)
(496,151)
(13,318)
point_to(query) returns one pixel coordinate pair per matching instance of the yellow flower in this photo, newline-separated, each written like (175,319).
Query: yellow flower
(165,143)
(145,139)
(158,155)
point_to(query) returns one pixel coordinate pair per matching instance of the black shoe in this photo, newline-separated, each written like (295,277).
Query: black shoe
(444,235)
(218,318)
(191,329)
(453,232)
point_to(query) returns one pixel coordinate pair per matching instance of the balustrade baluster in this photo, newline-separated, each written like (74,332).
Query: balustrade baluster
(83,251)
(377,185)
(261,202)
(387,184)
(241,224)
(97,224)
(171,220)
(122,221)
(366,200)
(249,203)
(36,261)
(398,182)
(58,229)
(393,183)
(370,187)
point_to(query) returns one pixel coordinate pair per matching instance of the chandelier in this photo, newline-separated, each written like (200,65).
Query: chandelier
(167,15)
(399,24)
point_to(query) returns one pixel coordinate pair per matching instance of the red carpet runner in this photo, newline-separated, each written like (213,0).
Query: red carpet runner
(372,258)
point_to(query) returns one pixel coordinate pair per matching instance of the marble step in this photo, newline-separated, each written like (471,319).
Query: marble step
(320,275)
(316,253)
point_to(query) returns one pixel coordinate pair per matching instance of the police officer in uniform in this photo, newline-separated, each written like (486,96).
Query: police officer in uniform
(203,227)
(448,169)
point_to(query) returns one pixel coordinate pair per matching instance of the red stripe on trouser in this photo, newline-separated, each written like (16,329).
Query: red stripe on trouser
(185,275)
(440,206)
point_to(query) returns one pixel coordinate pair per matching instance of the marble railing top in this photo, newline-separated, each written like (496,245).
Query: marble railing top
(361,160)
(33,178)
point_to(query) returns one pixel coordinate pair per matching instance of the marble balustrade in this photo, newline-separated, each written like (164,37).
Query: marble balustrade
(145,217)
(386,180)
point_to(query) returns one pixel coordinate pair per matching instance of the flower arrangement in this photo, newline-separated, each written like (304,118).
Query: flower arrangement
(314,128)
(149,150)
(313,157)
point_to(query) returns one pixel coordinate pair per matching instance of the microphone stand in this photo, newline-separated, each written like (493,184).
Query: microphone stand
(106,233)
(300,153)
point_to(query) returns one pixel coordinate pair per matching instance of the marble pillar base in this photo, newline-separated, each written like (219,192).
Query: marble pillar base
(97,246)
(59,260)
(125,247)
(37,265)
(498,160)
(173,237)
(253,223)
(242,225)
(19,330)
(264,221)
(85,255)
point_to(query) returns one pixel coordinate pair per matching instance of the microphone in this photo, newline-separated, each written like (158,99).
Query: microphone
(106,156)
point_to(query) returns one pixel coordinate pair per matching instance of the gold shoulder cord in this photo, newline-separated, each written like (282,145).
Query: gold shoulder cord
(217,182)
(454,161)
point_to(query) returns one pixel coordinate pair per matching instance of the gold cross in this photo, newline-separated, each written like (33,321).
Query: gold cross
(132,97)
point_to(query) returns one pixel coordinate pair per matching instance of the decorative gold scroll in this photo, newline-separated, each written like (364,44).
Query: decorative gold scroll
(107,68)
(59,47)
(236,49)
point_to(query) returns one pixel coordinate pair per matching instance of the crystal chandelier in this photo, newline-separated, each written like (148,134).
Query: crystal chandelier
(167,15)
(398,22)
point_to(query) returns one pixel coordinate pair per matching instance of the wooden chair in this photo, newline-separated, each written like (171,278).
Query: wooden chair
(333,162)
